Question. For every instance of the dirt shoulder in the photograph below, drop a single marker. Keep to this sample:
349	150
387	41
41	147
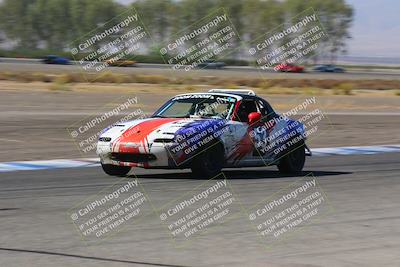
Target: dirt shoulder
34	118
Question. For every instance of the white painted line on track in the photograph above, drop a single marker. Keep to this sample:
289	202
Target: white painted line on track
94	162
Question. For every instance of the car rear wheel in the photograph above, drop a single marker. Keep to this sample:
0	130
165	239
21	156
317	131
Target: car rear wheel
209	162
115	170
293	162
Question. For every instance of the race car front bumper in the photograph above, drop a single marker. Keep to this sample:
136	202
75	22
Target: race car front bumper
155	156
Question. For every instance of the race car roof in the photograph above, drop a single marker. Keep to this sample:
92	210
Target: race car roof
233	91
237	94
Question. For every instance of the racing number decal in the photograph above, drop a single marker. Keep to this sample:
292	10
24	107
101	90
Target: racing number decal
260	135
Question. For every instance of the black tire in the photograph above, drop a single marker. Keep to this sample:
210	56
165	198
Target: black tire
209	162
293	162
115	170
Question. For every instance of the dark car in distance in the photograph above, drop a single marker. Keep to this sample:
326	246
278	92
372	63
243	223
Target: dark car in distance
53	59
328	68
209	64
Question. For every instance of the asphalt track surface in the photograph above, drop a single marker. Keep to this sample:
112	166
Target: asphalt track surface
362	229
35	229
230	71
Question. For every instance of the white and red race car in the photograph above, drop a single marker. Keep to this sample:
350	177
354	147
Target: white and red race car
206	132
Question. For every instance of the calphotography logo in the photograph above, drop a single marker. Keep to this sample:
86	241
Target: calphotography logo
290	43
110	211
277	136
288	210
197	137
114	43
86	132
210	204
200	44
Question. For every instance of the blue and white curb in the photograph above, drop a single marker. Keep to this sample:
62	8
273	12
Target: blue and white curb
48	164
94	162
354	150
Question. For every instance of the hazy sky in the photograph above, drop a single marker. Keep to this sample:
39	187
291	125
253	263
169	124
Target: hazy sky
376	29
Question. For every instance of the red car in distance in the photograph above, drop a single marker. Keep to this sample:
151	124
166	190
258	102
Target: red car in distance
287	67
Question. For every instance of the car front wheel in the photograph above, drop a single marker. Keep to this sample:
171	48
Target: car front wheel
209	162
115	170
293	162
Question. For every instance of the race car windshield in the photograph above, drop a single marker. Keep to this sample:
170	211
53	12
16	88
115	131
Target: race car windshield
208	106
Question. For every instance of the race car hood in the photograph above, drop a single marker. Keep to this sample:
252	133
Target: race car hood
129	136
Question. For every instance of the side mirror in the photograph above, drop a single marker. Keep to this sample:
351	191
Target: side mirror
254	117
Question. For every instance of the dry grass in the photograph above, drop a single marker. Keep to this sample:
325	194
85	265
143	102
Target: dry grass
59	84
190	88
343	89
282	91
26	76
272	86
314	91
264	85
278	90
152	79
108	77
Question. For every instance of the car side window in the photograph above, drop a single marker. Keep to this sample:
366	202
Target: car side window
267	107
246	107
262	108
